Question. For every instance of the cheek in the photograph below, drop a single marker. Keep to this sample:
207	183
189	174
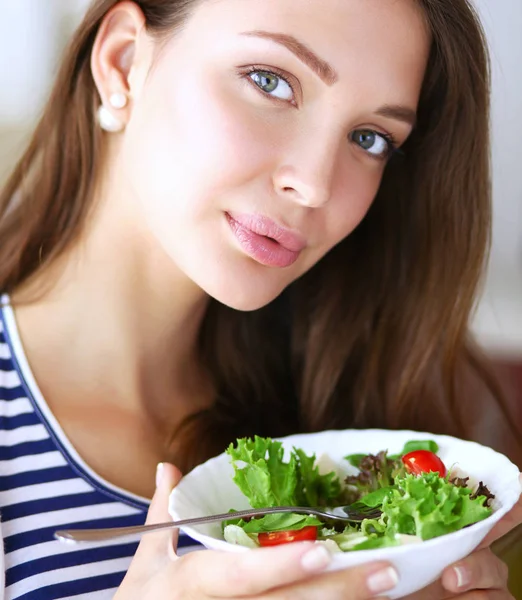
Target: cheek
189	145
353	197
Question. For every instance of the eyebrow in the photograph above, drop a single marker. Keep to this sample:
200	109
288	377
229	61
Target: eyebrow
398	113
319	66
328	74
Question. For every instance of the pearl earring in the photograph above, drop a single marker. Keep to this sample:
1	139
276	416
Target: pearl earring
118	100
108	122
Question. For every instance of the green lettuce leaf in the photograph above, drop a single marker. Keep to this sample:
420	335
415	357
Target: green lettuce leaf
264	478
279	522
267	480
429	506
414	445
374	499
314	489
376	541
355	459
348	540
236	535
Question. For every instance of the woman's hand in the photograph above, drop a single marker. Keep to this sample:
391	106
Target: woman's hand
290	571
480	576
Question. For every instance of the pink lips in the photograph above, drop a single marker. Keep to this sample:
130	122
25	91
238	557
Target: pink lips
265	241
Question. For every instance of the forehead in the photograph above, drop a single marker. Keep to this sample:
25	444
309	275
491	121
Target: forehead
381	41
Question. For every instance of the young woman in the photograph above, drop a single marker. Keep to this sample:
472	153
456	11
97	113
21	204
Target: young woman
235	217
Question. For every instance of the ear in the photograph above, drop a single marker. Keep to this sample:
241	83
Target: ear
120	59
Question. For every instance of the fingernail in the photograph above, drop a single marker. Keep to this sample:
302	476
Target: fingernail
383	581
159	472
463	577
316	559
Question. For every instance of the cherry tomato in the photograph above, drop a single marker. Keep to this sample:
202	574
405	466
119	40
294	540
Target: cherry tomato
274	538
423	461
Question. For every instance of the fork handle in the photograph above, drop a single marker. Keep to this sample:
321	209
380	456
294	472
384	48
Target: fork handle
73	536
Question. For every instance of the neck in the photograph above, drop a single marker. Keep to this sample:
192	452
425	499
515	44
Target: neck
120	312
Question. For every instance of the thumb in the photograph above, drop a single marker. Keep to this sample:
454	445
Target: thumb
167	477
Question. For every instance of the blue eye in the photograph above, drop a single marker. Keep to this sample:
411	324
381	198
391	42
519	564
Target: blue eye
272	84
379	145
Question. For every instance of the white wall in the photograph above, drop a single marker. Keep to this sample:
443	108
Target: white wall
31	36
22	48
503	22
499	318
32	33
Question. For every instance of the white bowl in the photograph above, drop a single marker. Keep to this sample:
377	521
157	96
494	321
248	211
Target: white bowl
209	489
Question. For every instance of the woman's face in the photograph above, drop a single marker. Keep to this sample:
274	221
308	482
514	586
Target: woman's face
260	136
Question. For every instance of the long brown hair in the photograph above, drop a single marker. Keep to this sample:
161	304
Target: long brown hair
376	334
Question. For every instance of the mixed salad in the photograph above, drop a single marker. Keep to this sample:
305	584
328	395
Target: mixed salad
418	498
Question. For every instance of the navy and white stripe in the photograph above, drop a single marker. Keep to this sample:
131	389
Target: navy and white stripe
45	486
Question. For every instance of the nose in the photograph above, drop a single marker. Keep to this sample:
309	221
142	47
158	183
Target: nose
306	173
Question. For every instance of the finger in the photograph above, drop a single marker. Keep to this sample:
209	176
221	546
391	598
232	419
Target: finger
481	570
256	572
506	524
167	477
357	583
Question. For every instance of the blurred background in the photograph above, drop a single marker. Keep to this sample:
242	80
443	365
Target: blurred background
33	34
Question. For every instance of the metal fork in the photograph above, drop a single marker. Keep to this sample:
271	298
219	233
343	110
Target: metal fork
337	513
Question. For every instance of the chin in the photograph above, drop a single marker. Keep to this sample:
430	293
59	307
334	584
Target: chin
247	302
247	297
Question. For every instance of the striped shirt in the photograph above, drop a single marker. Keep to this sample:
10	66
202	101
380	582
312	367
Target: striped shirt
45	486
